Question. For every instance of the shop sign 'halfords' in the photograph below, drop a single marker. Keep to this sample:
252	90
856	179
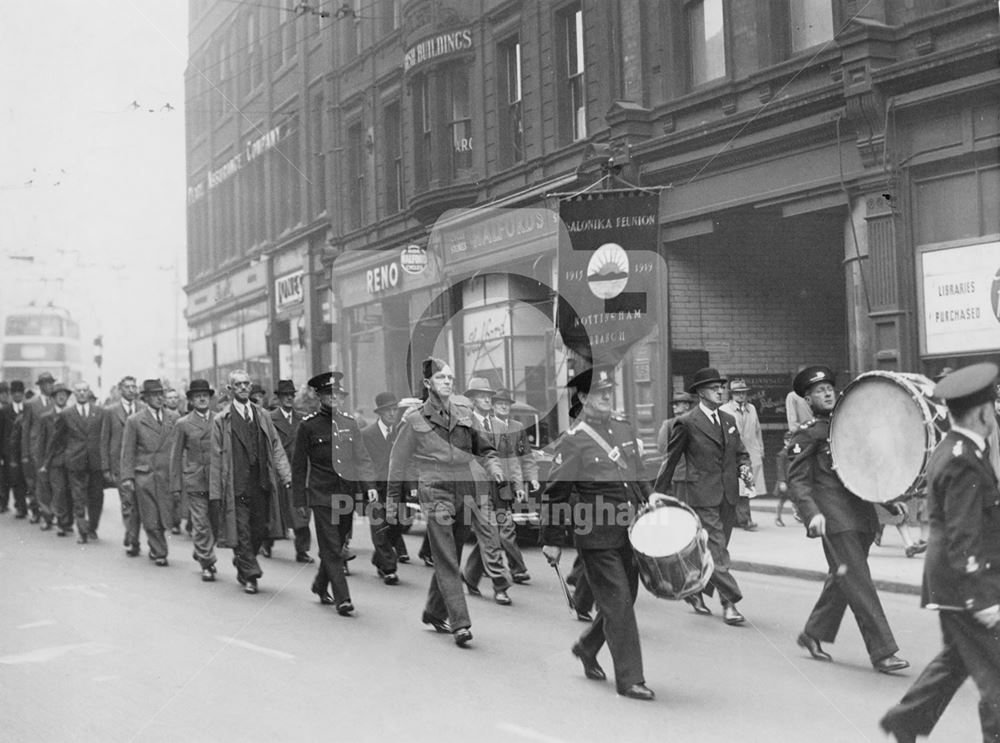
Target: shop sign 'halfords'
437	46
961	299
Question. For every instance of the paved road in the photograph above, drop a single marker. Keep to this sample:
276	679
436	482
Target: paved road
95	646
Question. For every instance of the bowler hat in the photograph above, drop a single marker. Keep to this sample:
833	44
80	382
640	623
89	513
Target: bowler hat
812	375
45	377
17	386
503	395
739	385
600	377
285	387
705	376
479	384
384	401
328	382
199	385
151	386
969	386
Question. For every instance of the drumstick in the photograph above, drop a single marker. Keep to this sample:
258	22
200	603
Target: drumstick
566	591
841	569
944	607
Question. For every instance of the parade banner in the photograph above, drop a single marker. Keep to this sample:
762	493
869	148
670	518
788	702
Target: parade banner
607	272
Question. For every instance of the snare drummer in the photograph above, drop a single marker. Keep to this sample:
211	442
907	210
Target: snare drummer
598	459
847	525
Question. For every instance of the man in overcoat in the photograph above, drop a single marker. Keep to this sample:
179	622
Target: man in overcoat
52	479
145	467
112	428
248	468
286	421
13	415
38	492
716	460
378	439
190	462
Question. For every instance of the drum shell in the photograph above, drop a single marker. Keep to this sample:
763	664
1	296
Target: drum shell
683	573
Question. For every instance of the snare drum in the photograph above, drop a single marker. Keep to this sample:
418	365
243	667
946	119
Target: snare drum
882	433
671	548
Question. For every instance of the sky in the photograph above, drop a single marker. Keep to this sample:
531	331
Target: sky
92	189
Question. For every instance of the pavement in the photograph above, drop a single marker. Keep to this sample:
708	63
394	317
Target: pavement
787	551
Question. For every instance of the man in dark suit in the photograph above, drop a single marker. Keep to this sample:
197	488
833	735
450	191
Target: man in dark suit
39	493
962	567
598	460
378	438
847	525
6	421
10	442
681	403
78	431
145	466
111	457
52	477
286	421
716	460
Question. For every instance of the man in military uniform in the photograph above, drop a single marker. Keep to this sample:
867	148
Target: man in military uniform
441	441
847	525
962	567
598	460
717	460
330	462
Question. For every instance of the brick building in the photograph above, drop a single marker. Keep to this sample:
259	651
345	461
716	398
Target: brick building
827	174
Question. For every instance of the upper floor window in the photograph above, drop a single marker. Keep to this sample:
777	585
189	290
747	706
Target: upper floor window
356	175
389	16
573	98
511	130
422	130
810	23
318	150
254	73
457	96
392	152
287	18
705	20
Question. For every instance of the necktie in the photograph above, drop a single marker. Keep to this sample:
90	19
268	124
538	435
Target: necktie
158	418
486	425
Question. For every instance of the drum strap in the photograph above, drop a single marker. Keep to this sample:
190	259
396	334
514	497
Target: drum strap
613	453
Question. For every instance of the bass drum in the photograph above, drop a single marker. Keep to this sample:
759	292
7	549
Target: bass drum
882	433
671	548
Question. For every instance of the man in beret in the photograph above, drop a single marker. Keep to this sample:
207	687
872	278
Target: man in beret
847	526
962	567
717	461
30	433
10	443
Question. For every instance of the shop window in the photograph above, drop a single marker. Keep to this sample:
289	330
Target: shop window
810	22
355	175
392	152
705	22
317	148
511	130
572	89
422	131
958	206
460	123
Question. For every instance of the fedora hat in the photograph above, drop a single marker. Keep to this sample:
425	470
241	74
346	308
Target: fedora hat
45	377
199	385
151	386
705	376
61	387
384	401
285	387
739	385
479	384
503	395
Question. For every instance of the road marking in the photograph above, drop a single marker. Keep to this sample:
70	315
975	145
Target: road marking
86	590
256	648
44	655
39	623
528	733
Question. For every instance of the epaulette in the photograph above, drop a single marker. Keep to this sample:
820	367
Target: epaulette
620	417
807	424
574	427
311	415
346	415
957	450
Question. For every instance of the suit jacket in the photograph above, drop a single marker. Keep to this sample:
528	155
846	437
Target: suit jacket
713	458
506	444
662	441
11	441
378	447
81	437
6	428
962	565
30	430
191	454
49	450
145	453
111	437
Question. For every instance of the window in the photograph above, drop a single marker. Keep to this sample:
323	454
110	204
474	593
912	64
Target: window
707	40
286	178
356	175
393	158
287	17
810	23
573	118
255	56
422	131
351	24
460	124
317	148
509	102
389	16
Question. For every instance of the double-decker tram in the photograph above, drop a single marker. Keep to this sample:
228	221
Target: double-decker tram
40	339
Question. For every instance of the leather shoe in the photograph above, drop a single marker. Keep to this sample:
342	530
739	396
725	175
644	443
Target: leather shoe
584	616
46	525
34	518
463	636
175	530
345	607
403	558
591	668
698	604
916	549
439	625
811	644
250	586
62	532
207	575
901	734
502	598
82	539
390	579
473	590
303	557
160	562
731	615
890	664
428	560
92	536
324	595
133	551
21	515
638	691
520	577
751	526
265	550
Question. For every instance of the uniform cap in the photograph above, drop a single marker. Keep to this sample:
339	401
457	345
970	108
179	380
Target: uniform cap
199	385
285	387
969	386
811	375
591	380
328	382
705	376
385	400
408	402
479	384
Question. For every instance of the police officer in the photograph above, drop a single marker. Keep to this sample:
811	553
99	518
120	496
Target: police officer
598	459
847	525
962	567
329	462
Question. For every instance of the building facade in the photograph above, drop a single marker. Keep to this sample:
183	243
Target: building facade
368	183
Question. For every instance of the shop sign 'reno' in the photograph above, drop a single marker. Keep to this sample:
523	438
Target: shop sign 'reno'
382	278
288	290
